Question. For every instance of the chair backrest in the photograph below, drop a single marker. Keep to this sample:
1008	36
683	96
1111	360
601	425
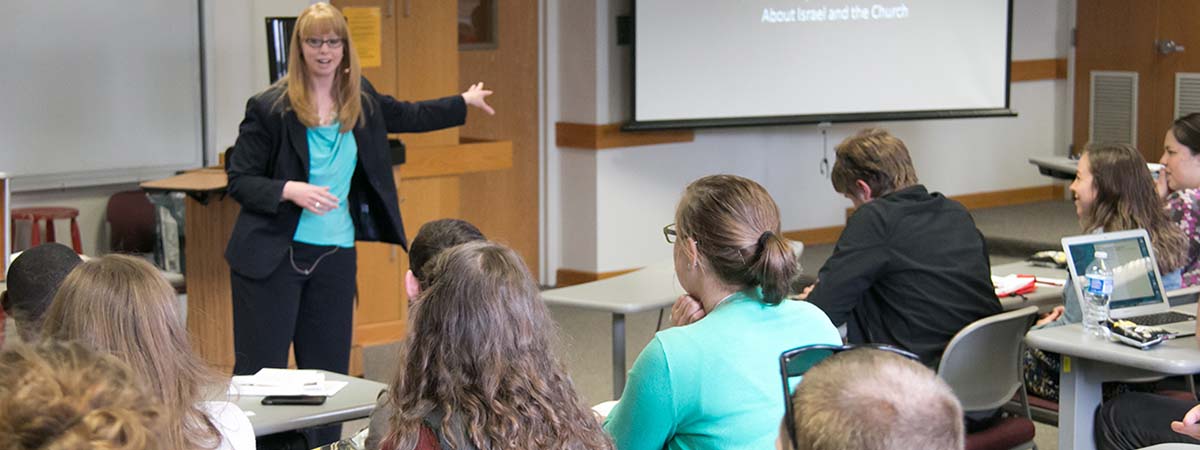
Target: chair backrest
131	223
982	363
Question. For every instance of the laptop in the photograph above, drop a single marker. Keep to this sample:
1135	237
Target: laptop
1137	295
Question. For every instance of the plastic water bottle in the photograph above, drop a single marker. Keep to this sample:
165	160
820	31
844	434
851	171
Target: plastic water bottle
1096	291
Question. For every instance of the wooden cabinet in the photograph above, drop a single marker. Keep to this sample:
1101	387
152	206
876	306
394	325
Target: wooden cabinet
419	61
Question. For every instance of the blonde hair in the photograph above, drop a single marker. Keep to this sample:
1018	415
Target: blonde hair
877	158
479	353
735	224
319	19
65	396
123	306
874	400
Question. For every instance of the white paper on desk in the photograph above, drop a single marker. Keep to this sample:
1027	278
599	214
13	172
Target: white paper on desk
284	382
325	388
281	377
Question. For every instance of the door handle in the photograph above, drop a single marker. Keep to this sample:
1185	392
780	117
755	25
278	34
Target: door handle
1167	46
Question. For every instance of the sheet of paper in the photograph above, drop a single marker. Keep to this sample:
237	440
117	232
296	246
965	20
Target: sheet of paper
325	388
366	31
281	378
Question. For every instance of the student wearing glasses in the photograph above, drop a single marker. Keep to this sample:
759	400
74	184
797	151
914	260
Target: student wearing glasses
312	173
714	384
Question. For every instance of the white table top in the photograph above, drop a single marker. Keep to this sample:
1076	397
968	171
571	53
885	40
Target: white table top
652	287
1045	297
1058	166
646	289
354	401
1175	357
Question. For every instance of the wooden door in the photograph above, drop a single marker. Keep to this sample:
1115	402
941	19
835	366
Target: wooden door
1114	35
1122	35
1177	21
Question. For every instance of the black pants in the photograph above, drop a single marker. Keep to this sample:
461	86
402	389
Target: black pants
314	311
308	302
1135	420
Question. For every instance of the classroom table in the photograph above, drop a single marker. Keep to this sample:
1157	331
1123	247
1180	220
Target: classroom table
647	289
1060	167
1089	361
355	401
1045	297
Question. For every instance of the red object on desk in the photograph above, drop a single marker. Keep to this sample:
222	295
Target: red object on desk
48	214
1028	285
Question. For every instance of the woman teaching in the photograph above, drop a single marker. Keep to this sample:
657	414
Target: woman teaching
312	172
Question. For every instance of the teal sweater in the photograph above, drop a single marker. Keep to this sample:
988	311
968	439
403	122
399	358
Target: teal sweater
715	384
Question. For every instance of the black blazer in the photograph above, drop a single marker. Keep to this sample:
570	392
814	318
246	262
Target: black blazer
272	148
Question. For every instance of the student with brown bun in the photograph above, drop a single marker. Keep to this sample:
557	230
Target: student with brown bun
714	383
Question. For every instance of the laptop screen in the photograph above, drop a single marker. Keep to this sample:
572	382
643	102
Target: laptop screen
1134	279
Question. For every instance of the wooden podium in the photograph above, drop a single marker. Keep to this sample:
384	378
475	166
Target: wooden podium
428	191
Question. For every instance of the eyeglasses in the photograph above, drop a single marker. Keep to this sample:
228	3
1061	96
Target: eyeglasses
333	43
670	233
797	361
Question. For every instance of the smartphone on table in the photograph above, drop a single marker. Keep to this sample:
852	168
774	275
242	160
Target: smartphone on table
294	400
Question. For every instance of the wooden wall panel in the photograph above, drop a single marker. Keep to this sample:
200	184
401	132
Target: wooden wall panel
427	59
1038	69
210	311
504	204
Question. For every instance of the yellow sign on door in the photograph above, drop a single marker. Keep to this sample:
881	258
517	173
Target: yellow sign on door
366	27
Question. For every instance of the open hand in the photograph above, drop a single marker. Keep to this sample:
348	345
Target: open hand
1051	316
475	96
316	199
686	310
1188	425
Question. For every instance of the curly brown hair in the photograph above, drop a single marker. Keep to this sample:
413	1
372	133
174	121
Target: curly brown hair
65	396
479	355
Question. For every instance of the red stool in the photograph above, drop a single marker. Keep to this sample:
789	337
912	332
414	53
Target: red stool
48	214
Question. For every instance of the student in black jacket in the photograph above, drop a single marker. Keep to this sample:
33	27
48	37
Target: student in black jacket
312	173
910	269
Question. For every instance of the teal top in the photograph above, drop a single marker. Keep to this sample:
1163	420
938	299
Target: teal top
332	156
715	384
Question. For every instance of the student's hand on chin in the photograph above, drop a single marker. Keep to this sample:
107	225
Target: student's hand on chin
686	310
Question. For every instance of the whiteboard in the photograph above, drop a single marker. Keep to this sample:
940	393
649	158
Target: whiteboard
99	92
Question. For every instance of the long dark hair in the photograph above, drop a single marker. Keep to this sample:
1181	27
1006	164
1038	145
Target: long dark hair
735	223
1126	200
479	355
